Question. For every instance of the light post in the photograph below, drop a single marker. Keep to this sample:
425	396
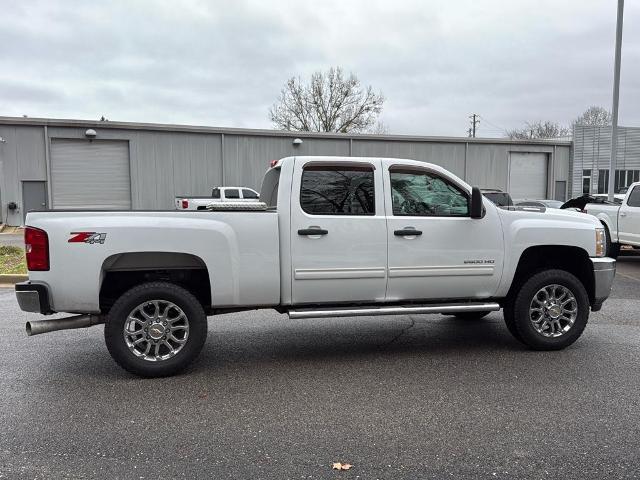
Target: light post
616	96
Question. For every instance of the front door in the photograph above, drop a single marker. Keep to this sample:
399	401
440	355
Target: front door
338	232
34	197
629	218
436	250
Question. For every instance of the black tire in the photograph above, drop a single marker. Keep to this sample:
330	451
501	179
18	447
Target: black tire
164	291
612	250
469	315
519	315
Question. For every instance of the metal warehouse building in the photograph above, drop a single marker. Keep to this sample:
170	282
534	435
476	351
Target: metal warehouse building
60	164
592	149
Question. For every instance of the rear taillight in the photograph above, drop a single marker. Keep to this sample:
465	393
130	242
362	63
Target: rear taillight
185	204
36	243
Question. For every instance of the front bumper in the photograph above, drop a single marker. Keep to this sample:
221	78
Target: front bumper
33	297
604	271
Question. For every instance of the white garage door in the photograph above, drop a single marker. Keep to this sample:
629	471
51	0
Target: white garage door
90	175
528	175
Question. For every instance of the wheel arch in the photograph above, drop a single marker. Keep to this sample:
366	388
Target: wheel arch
122	271
574	260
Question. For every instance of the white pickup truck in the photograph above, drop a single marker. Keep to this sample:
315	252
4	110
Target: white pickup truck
336	237
218	195
621	222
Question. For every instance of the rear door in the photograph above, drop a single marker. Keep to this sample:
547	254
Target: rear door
338	232
629	218
435	249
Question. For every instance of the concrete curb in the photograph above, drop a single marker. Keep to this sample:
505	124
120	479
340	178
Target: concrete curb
12	279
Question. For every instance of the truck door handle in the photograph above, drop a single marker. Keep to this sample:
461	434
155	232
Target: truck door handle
312	231
622	214
405	232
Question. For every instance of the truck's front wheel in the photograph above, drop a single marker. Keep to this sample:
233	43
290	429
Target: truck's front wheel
155	329
549	311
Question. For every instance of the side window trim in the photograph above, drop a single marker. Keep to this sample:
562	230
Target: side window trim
408	169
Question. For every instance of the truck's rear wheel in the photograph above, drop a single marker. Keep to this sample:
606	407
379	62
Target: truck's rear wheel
155	329
549	311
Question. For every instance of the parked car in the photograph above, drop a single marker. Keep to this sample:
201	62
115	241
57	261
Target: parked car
218	194
497	196
621	222
539	203
335	237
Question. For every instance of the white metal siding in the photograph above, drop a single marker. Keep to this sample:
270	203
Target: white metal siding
528	175
91	175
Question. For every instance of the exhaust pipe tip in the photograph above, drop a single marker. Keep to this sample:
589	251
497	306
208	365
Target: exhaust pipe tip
45	326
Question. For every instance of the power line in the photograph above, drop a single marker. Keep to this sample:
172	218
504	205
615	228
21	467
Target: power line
493	124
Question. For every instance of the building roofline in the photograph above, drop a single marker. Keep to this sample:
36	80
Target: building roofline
57	122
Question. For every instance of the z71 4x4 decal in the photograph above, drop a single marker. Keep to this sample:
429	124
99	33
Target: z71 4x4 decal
87	237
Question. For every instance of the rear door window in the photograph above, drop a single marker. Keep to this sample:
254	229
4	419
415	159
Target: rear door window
231	193
338	190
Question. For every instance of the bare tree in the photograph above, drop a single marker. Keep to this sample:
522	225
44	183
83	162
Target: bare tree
539	129
593	116
330	102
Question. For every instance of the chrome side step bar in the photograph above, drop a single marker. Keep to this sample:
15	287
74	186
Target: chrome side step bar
394	310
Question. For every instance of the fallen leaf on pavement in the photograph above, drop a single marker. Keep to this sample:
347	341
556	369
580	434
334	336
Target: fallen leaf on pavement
341	466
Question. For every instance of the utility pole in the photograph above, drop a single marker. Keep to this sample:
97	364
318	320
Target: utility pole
616	96
475	121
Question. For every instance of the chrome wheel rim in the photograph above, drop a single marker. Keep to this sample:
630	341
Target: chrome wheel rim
553	311
156	330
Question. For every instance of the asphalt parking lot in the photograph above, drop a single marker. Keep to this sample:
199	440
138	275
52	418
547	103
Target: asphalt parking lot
397	397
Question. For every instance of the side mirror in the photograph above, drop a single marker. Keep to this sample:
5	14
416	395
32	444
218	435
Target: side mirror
476	203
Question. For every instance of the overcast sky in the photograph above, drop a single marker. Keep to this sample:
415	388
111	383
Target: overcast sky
223	63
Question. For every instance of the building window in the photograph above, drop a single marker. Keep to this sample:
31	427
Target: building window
603	181
586	181
624	178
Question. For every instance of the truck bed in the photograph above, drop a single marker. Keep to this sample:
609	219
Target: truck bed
239	249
